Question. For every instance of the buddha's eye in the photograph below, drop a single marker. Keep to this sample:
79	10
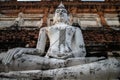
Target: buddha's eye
64	11
57	11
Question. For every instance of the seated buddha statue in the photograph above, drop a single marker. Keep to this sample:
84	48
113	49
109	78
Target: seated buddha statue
66	54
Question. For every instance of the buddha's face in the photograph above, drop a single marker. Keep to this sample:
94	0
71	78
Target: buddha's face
61	15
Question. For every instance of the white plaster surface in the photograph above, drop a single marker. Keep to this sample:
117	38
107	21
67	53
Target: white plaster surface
112	19
87	20
5	24
26	20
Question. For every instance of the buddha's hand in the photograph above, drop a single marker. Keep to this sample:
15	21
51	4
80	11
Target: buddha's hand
31	51
19	53
10	55
16	53
65	55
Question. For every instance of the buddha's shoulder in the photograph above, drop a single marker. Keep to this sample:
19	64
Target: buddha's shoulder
73	27
60	27
43	28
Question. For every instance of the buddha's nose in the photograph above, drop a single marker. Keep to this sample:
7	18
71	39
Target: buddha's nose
61	13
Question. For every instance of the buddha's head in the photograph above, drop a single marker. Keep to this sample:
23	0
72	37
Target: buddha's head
60	15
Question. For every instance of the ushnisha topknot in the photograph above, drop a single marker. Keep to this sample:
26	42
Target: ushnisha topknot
61	6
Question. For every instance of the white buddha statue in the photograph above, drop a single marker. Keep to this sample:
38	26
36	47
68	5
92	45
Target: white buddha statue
65	57
65	42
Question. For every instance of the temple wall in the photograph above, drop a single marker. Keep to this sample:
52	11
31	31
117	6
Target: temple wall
27	23
89	20
34	20
112	19
83	19
87	14
4	24
32	23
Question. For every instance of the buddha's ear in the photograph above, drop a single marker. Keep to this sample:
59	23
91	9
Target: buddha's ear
70	18
54	21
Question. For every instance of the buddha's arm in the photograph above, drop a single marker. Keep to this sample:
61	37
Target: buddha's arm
17	52
79	44
41	41
40	48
